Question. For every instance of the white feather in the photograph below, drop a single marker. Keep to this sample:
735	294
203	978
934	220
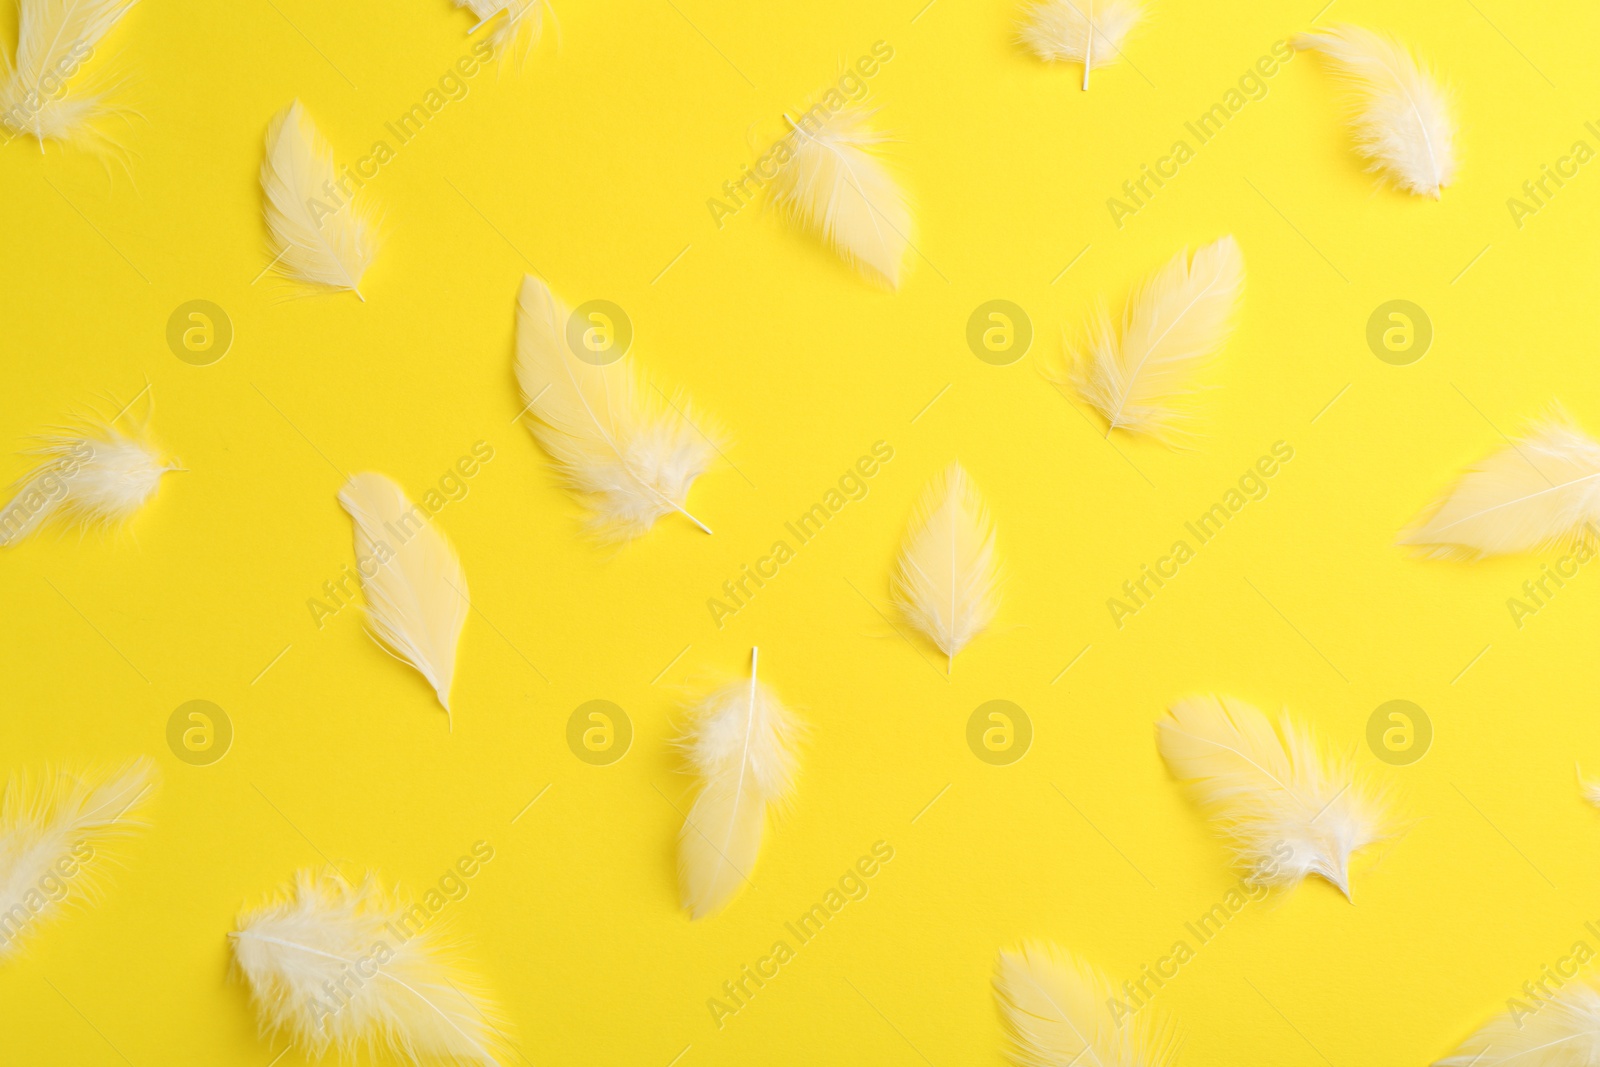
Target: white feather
1589	787
321	237
1560	1029
1174	323
417	593
521	28
1286	808
834	184
741	745
1059	31
355	970
630	451
92	476
1400	113
55	833
54	38
946	582
1541	490
1058	1013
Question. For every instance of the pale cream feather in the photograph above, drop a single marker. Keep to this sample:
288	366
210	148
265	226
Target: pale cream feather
1058	1013
356	969
57	832
416	592
518	24
320	237
1556	1029
1142	379
1541	490
741	746
92	475
627	449
947	579
1090	32
1399	112
1285	807
41	95
835	185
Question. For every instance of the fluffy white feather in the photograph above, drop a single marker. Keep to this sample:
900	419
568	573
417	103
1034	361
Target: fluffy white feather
834	184
1285	807
417	594
1079	31
92	475
1564	1031
54	39
622	446
1399	112
1539	491
741	745
946	582
1142	379
55	835
353	969
1057	1012
1589	787
321	237
520	27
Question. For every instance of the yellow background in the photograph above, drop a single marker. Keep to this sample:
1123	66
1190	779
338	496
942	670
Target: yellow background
593	164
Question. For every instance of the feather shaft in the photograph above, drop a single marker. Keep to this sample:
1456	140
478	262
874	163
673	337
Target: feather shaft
320	244
946	581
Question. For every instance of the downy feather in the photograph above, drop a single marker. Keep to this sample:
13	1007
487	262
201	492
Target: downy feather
1058	31
320	238
741	745
1562	1030
1399	112
1060	1012
518	31
92	475
834	185
59	823
946	582
54	38
1540	491
1589	787
416	597
626	449
1174	322
1285	808
313	958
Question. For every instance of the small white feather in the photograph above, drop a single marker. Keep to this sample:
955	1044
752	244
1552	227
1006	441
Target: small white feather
91	476
1399	112
741	745
1541	490
321	237
1561	1030
833	184
1058	1012
1090	32
56	833
628	450
1589	787
417	593
1285	807
1142	379
353	969
520	27
54	39
946	582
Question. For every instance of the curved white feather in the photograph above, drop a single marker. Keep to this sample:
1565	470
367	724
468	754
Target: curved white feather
631	458
322	237
1090	32
1400	113
54	39
518	23
1561	1030
1285	808
1058	1013
946	581
416	592
1541	490
741	745
92	475
353	969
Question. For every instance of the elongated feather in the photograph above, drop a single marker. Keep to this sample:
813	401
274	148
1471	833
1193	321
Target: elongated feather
946	581
93	475
741	745
629	451
1399	112
834	184
321	236
54	39
56	836
354	969
1090	32
416	592
1558	1030
1175	322
520	27
1540	491
1285	807
1058	1013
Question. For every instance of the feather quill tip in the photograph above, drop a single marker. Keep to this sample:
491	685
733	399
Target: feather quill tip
947	578
1078	31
